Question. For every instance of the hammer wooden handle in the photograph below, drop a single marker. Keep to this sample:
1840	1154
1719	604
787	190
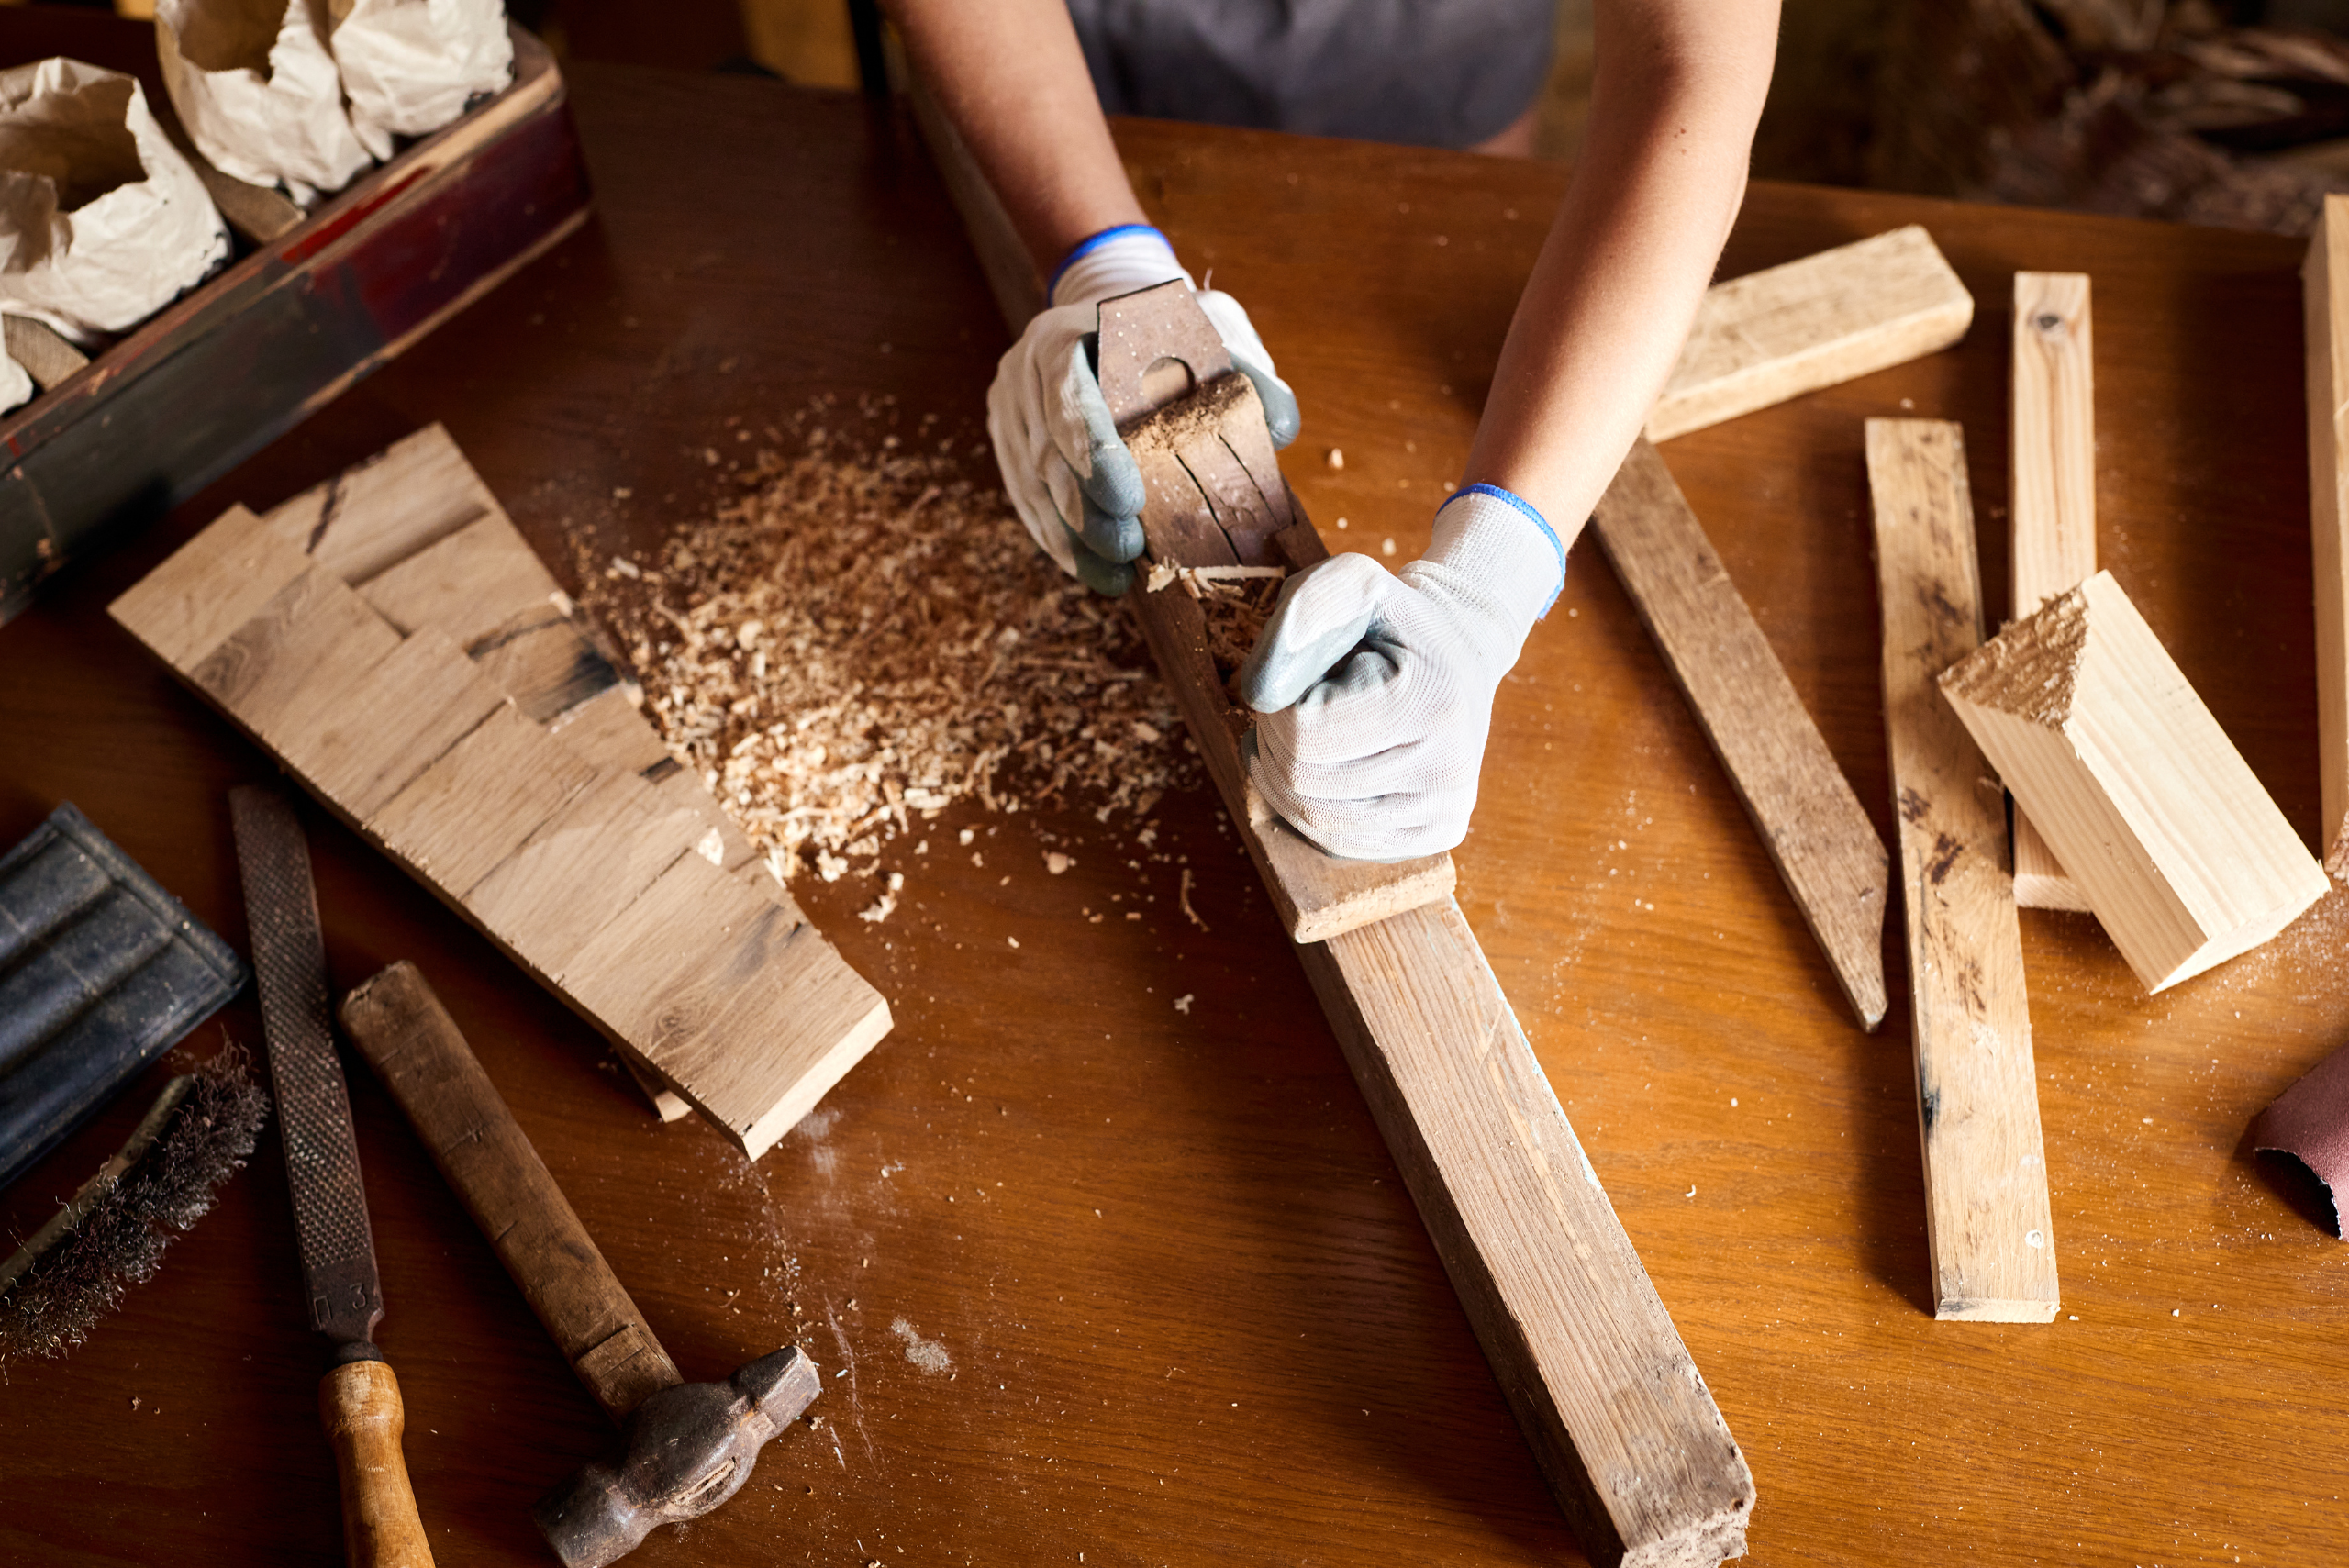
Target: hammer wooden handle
358	1405
408	1038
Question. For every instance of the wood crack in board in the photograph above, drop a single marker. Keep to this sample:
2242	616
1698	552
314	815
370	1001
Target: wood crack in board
392	639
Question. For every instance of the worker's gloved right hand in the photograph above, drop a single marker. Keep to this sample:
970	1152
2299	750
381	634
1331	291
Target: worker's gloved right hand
1376	688
1072	481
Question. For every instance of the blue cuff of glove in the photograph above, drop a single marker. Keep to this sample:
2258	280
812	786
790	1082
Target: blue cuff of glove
1114	261
1520	505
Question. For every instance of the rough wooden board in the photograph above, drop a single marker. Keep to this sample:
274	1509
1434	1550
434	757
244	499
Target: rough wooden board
2184	857
544	658
208	587
1778	333
2324	295
1988	1222
290	665
2051	496
48	357
1618	1417
664	989
417	491
1818	835
612	729
469	583
536	900
480	802
390	724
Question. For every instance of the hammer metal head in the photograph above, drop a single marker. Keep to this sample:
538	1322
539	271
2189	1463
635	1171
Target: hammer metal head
687	1449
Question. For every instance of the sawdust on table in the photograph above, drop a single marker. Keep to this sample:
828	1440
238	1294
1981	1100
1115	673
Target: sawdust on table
862	636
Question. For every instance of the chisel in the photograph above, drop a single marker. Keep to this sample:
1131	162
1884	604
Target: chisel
359	1400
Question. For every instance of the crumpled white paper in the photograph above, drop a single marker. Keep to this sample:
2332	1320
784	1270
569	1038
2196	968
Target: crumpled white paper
258	92
410	65
102	222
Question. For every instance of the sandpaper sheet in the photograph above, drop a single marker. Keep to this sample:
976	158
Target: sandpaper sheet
2310	1122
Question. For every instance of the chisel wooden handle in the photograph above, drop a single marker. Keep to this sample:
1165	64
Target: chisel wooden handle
358	1405
407	1037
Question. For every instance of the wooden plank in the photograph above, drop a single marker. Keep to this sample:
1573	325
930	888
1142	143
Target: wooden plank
2324	296
2183	855
415	491
545	658
610	728
1809	820
537	902
1618	1416
1988	1223
208	587
389	725
470	584
663	991
2051	498
1785	330
1561	1305
480	802
291	664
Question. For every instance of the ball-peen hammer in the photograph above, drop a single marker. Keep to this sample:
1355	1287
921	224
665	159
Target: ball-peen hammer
689	1446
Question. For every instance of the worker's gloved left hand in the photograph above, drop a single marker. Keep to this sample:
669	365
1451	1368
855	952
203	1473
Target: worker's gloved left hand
1376	688
1072	481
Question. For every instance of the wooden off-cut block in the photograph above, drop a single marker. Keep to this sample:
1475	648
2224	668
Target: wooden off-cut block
1789	330
1988	1222
2183	855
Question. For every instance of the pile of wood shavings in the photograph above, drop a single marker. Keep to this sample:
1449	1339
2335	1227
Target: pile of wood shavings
863	639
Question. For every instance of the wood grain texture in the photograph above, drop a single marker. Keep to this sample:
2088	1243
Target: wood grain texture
2325	293
2183	855
1618	1417
407	1037
358	1405
1255	1237
1802	806
1769	336
513	777
1988	1224
2051	498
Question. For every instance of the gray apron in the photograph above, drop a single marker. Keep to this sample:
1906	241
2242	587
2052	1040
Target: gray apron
1431	72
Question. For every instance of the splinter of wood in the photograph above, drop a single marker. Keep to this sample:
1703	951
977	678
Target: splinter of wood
1818	835
2324	298
2183	856
2051	496
1988	1223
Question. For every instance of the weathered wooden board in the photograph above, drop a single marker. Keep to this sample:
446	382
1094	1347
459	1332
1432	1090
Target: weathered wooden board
1817	834
2183	855
2051	498
1987	1221
510	774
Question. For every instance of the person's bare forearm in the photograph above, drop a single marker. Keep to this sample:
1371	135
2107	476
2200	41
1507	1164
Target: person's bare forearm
1010	75
1680	88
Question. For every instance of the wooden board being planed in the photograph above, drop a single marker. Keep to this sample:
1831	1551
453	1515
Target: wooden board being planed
1988	1223
2324	299
2051	498
2184	857
392	639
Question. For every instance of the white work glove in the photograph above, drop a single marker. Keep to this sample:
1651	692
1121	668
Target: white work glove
1070	479
1376	688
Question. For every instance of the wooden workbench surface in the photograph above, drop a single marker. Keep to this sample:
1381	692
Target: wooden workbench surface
1096	1280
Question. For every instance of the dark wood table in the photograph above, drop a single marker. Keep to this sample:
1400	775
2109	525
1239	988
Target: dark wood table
1191	1315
